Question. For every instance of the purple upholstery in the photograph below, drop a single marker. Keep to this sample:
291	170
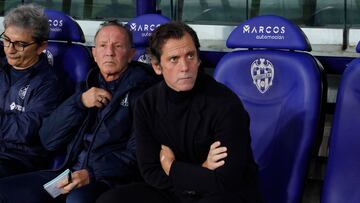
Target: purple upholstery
342	179
282	91
70	59
269	31
141	28
358	47
63	27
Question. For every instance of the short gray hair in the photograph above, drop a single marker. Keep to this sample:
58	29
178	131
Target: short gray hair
30	17
116	23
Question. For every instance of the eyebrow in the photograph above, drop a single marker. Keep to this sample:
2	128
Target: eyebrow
172	56
187	53
5	36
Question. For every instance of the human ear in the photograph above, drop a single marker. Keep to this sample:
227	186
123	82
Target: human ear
156	66
93	51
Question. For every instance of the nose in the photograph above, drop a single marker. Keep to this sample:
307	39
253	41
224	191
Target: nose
109	50
184	65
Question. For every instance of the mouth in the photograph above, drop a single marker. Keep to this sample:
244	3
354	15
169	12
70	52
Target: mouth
185	78
12	57
109	63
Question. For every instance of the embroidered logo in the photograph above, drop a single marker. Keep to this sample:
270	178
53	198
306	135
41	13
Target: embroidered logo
145	58
125	101
262	73
14	106
22	91
50	57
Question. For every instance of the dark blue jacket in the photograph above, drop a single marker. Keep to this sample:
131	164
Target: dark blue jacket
23	105
111	155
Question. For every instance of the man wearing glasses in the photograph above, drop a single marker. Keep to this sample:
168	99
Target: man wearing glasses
94	124
29	90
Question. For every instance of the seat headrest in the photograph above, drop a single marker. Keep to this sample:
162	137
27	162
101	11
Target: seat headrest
268	31
63	27
358	47
142	27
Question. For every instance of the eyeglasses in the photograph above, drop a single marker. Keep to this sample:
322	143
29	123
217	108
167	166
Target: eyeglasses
18	45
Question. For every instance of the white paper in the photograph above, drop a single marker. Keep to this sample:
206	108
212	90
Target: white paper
51	186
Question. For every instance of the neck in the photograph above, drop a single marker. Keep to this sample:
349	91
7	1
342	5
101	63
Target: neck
112	77
34	61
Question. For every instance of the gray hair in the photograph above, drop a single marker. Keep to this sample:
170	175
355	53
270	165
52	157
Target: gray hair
116	23
30	17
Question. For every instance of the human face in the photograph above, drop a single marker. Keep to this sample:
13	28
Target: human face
29	56
179	63
112	52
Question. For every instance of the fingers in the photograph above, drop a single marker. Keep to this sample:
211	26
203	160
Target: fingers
67	186
101	101
79	179
218	164
63	183
102	97
164	147
95	97
215	145
216	150
216	156
70	187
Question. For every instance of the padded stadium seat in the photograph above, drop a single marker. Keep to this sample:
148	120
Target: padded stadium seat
141	28
70	59
282	89
342	178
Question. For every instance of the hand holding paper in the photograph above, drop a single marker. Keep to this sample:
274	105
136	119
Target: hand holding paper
52	187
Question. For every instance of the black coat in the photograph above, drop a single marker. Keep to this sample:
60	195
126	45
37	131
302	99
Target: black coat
212	113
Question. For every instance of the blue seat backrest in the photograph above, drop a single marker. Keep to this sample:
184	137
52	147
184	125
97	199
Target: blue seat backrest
342	178
282	90
142	28
69	57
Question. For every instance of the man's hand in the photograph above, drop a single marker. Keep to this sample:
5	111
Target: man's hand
215	156
79	178
166	158
95	97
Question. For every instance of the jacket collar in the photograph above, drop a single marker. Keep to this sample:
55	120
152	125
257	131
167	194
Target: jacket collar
197	92
39	66
135	76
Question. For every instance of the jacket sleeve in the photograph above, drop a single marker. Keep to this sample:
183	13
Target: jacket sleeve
121	163
63	123
148	150
232	130
23	127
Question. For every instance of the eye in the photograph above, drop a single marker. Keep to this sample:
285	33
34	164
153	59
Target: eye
6	41
173	59
190	56
20	44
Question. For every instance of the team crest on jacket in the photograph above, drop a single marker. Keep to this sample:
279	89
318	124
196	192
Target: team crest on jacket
22	91
50	57
262	73
125	101
145	58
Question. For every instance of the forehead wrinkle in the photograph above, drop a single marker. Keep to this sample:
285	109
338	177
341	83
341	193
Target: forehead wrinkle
176	47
